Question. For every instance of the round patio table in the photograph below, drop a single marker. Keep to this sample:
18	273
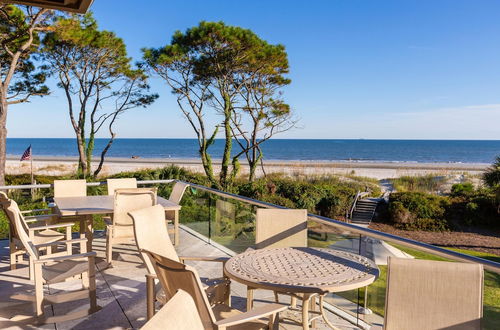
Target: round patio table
303	273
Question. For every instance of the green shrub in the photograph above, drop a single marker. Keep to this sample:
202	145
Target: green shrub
400	214
418	211
491	176
279	200
462	189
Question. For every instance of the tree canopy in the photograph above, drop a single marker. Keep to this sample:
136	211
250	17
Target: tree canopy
99	81
20	29
220	68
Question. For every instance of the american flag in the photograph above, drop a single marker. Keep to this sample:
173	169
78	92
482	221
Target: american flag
27	154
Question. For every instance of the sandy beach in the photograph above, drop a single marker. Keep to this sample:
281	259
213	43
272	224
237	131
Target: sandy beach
56	165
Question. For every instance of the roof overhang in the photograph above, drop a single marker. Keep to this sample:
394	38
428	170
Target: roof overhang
74	6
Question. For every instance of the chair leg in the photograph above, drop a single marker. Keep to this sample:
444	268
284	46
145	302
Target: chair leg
150	297
274	321
109	246
38	290
69	246
31	268
92	285
13	256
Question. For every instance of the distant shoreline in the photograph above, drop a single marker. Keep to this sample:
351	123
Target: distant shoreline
271	162
62	165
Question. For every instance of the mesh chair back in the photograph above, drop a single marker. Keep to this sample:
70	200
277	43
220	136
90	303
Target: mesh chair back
178	313
150	229
428	294
177	192
277	228
70	188
176	276
114	184
127	200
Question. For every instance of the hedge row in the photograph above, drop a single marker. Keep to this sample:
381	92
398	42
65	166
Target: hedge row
463	207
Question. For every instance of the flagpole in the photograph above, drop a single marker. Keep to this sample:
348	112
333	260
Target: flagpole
32	181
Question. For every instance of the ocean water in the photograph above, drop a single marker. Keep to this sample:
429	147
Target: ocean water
454	151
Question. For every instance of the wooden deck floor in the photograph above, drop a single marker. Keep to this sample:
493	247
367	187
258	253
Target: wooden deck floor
120	290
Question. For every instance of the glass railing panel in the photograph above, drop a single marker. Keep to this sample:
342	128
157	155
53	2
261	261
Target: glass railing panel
232	223
196	211
491	300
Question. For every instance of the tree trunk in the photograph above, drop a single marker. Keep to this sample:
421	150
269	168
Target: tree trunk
3	136
206	160
226	157
103	155
88	153
82	161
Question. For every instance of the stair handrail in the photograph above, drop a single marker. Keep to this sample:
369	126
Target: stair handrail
349	214
359	195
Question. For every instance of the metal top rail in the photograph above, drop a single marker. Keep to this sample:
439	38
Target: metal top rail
445	253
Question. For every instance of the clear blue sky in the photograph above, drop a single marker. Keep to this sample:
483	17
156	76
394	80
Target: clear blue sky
360	69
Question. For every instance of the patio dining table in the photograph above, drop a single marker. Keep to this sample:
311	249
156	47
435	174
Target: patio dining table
303	273
87	206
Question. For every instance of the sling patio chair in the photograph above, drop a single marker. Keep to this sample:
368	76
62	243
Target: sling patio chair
50	269
176	276
114	184
122	227
35	227
124	183
72	188
173	216
179	313
151	234
429	294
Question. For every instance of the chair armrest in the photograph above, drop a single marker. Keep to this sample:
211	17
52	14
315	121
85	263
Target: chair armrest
211	259
72	241
38	217
35	210
251	315
153	276
54	226
36	223
70	257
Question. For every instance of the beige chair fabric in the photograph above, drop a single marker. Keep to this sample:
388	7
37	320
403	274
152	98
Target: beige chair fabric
36	227
122	228
428	294
151	234
176	276
276	228
70	188
50	269
177	192
179	313
173	216
114	184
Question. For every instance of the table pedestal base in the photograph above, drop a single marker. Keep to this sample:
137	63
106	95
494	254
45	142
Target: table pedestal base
308	308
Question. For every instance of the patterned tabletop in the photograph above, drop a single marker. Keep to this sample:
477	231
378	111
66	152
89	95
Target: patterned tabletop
302	270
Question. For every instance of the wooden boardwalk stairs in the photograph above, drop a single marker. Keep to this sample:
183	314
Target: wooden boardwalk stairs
363	211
